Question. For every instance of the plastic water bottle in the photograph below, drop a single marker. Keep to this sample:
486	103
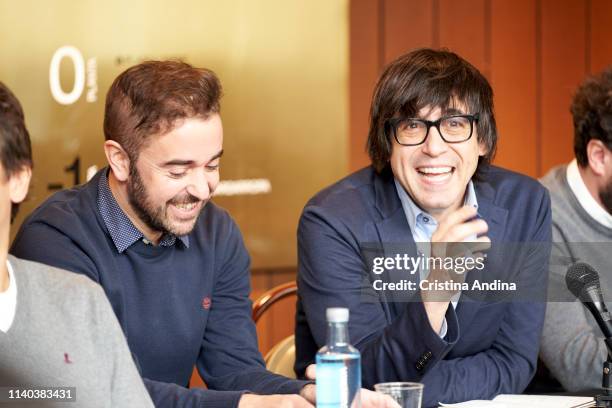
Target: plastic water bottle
338	365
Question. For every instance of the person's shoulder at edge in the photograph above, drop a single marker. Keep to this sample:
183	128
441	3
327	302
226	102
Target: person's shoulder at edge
66	204
362	178
511	186
554	178
353	194
74	288
554	173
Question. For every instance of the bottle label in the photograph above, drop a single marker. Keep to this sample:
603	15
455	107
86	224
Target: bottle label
332	385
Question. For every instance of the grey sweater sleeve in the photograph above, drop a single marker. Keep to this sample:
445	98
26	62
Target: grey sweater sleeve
127	387
572	350
572	346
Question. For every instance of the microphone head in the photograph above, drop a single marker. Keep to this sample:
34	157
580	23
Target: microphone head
580	276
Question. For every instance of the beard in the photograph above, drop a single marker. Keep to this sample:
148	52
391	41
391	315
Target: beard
156	217
605	195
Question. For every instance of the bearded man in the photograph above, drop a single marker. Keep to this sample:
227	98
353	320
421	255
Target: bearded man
573	346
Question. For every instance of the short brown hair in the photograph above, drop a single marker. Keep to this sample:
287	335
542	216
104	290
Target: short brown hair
15	145
592	113
150	97
427	77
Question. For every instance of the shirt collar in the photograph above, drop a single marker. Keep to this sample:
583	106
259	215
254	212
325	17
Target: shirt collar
584	197
414	212
121	229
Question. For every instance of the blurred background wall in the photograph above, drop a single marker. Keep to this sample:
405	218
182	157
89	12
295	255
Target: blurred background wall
298	77
283	66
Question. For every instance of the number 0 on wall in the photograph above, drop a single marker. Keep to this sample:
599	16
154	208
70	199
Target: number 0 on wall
79	75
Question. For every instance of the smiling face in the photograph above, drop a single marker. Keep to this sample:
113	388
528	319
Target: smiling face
435	174
176	174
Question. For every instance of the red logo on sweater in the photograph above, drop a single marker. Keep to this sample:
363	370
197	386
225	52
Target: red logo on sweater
206	302
67	359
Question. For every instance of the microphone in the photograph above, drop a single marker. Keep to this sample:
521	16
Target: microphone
583	281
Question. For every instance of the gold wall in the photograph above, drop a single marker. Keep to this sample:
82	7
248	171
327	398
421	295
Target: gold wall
283	65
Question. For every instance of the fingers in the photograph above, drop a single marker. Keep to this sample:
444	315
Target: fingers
466	249
461	232
311	372
459	226
389	402
460	216
273	401
309	393
299	402
371	399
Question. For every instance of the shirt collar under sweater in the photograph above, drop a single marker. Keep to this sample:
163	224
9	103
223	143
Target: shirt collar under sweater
121	229
584	197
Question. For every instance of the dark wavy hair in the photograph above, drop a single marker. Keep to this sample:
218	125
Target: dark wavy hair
435	78
592	113
15	145
150	97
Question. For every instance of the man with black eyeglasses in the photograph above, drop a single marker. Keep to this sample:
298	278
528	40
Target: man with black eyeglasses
440	257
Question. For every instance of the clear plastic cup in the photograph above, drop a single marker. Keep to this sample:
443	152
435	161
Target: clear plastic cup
407	394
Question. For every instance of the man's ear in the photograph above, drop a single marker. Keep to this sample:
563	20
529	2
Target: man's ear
596	156
483	150
19	183
118	160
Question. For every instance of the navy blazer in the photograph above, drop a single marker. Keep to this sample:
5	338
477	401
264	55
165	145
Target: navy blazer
491	345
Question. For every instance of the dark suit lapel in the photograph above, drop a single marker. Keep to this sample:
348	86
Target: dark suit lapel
392	226
394	234
496	218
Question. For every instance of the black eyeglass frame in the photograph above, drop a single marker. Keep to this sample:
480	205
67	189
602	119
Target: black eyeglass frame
393	122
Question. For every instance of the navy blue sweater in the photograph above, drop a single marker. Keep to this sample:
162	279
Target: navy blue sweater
178	305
